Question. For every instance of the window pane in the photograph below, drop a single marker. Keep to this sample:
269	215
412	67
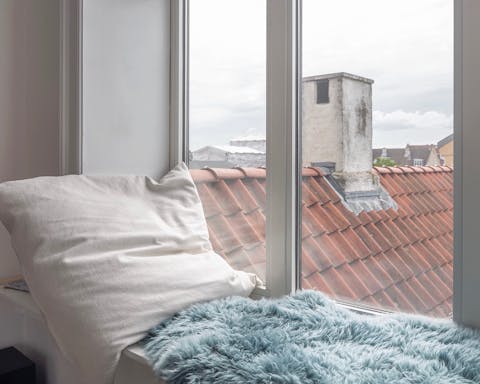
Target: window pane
377	153
227	126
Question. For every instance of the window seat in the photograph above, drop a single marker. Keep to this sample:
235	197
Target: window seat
23	326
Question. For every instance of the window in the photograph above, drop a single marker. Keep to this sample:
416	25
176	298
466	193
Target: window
227	125
285	89
322	91
418	162
363	241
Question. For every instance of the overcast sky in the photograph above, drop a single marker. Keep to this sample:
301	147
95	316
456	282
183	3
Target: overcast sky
405	46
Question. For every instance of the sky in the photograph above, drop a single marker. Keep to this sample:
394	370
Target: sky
405	46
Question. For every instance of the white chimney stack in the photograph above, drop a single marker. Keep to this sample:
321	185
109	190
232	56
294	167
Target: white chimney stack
337	129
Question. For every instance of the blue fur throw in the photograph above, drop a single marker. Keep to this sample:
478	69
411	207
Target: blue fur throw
306	338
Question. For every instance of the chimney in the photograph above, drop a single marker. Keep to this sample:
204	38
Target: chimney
337	128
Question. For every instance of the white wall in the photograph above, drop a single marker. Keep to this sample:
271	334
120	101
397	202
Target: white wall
126	73
126	78
29	97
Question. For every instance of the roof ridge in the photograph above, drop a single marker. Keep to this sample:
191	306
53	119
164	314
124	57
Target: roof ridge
413	169
208	174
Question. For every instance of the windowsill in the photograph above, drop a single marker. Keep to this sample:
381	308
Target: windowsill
262	292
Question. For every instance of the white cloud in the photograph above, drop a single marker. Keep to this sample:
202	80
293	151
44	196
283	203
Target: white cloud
405	46
397	128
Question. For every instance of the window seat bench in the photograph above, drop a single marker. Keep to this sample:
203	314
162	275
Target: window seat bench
23	326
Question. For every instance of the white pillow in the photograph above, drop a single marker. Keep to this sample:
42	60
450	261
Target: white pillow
107	258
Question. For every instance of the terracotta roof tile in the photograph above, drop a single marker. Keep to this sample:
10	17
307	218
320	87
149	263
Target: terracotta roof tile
409	295
225	234
383	300
337	213
210	205
352	280
344	246
243	230
317	254
379	237
202	176
254	173
308	196
257	190
256	219
312	171
399	258
227	173
325	220
366	276
316	281
358	245
369	241
225	198
310	220
339	286
421	293
317	188
378	271
398	297
244	197
331	251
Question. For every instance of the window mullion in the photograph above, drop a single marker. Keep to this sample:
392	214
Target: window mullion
178	81
467	175
282	124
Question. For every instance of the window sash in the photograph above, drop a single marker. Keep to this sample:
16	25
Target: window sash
283	122
466	281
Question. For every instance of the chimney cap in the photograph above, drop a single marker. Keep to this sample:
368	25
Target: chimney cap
336	75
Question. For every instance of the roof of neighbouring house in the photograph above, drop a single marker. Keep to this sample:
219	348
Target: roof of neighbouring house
445	141
420	151
396	154
395	259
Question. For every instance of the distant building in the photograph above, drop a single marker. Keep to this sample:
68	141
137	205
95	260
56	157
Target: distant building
414	155
445	149
255	142
395	154
227	156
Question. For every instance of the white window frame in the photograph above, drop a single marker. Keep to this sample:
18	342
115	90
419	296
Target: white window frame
466	275
71	86
418	162
283	114
283	74
283	109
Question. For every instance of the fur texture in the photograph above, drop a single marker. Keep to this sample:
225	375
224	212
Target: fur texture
306	338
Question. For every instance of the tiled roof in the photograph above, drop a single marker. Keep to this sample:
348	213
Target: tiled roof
394	259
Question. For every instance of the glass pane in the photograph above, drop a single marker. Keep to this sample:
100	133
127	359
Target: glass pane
227	130
377	153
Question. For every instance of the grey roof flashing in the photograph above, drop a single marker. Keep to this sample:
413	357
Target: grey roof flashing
377	199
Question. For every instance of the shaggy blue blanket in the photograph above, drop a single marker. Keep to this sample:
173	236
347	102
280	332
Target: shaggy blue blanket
306	338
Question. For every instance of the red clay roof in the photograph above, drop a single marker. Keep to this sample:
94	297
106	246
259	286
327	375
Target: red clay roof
399	259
